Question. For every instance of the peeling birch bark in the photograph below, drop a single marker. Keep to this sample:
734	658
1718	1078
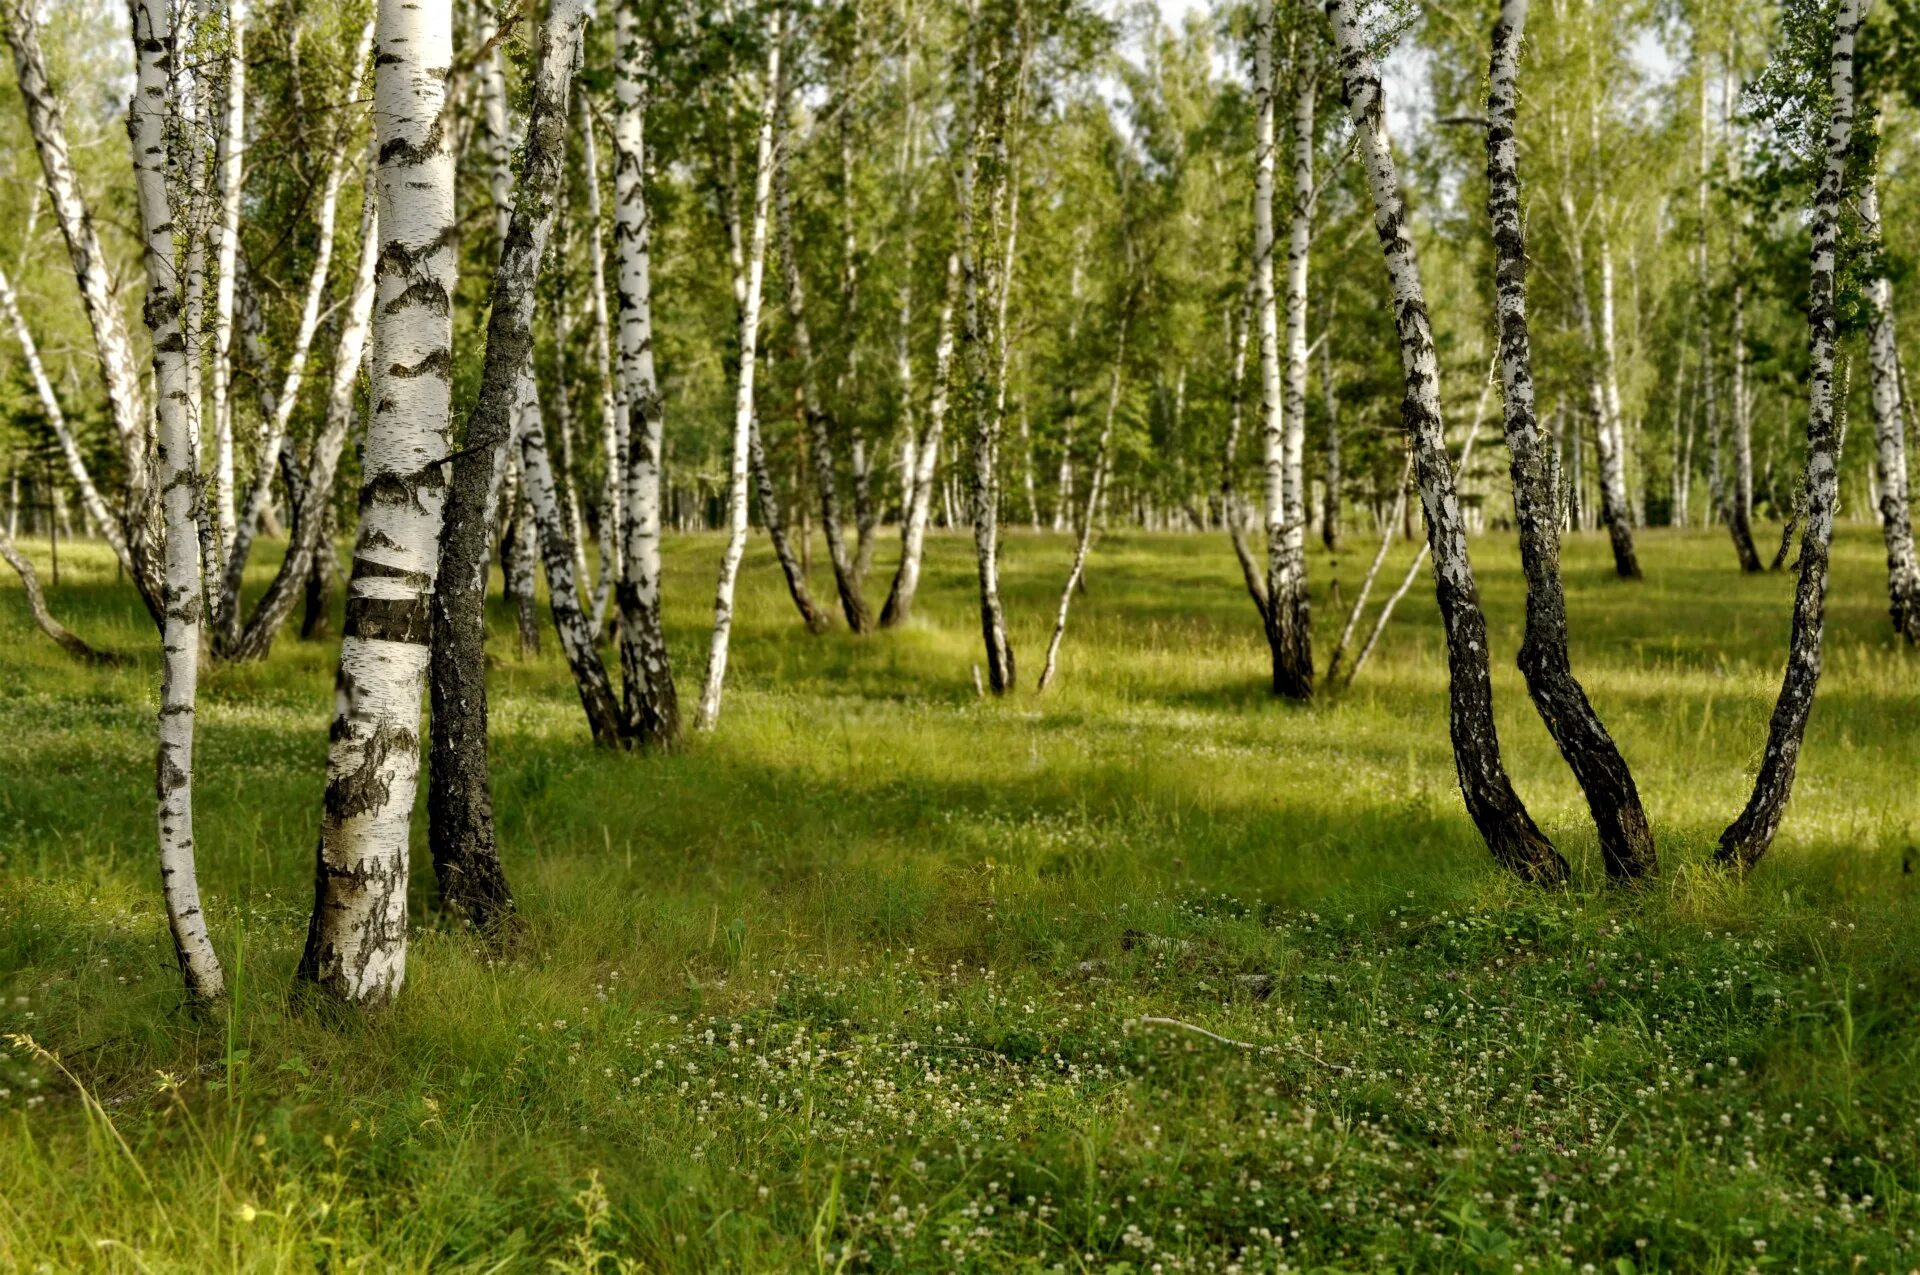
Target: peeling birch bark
1510	833
1746	840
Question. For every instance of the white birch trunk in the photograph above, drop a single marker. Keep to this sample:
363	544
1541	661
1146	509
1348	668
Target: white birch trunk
1890	443
179	487
357	939
614	407
708	715
1747	838
650	702
923	463
231	178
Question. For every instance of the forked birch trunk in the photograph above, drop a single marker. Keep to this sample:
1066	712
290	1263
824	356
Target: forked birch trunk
356	946
1626	839
1747	838
178	483
772	102
924	462
651	704
1510	833
466	857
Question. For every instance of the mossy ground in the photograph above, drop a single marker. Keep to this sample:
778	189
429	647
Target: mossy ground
856	982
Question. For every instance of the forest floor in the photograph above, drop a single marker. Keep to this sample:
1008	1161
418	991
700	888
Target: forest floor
862	980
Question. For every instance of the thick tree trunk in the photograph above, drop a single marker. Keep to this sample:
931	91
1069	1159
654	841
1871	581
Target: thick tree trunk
466	857
923	463
651	705
1747	838
1889	431
307	547
1497	812
773	102
1289	614
819	433
1626	839
1287	638
177	477
357	939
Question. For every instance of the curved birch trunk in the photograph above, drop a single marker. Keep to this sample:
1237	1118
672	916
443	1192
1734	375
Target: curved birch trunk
1516	843
356	946
1747	838
66	639
772	102
466	857
1626	840
312	505
652	707
99	296
1889	431
924	461
853	603
227	621
1284	600
1094	490
178	483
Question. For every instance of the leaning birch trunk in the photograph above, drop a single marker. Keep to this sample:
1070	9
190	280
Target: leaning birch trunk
112	346
1747	838
273	436
979	291
1510	833
923	460
1284	644
226	243
1288	614
177	476
614	408
356	946
651	705
307	540
1367	581
466	857
63	637
853	603
1889	431
103	517
1094	491
772	101
1626	839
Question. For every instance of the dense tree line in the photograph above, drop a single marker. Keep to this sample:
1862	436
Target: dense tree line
534	287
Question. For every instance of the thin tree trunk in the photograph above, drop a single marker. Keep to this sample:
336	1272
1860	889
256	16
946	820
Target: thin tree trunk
924	464
357	939
1889	430
1747	838
307	547
1497	812
1282	614
651	704
65	638
1085	540
466	857
1288	613
148	120
819	435
773	101
1366	583
1626	839
1739	501
614	408
1330	511
1233	509
231	177
1601	404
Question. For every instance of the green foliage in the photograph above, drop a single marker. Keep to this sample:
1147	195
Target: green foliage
857	982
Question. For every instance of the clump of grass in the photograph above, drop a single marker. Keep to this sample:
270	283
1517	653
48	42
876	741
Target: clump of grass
859	982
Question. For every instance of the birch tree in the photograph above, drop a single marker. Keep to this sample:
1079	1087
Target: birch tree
357	938
1510	833
1889	434
1747	838
177	479
1626	840
651	705
923	461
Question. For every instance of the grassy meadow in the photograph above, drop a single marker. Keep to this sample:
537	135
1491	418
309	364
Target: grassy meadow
857	982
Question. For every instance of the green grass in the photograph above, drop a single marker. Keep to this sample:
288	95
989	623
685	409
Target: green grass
854	982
